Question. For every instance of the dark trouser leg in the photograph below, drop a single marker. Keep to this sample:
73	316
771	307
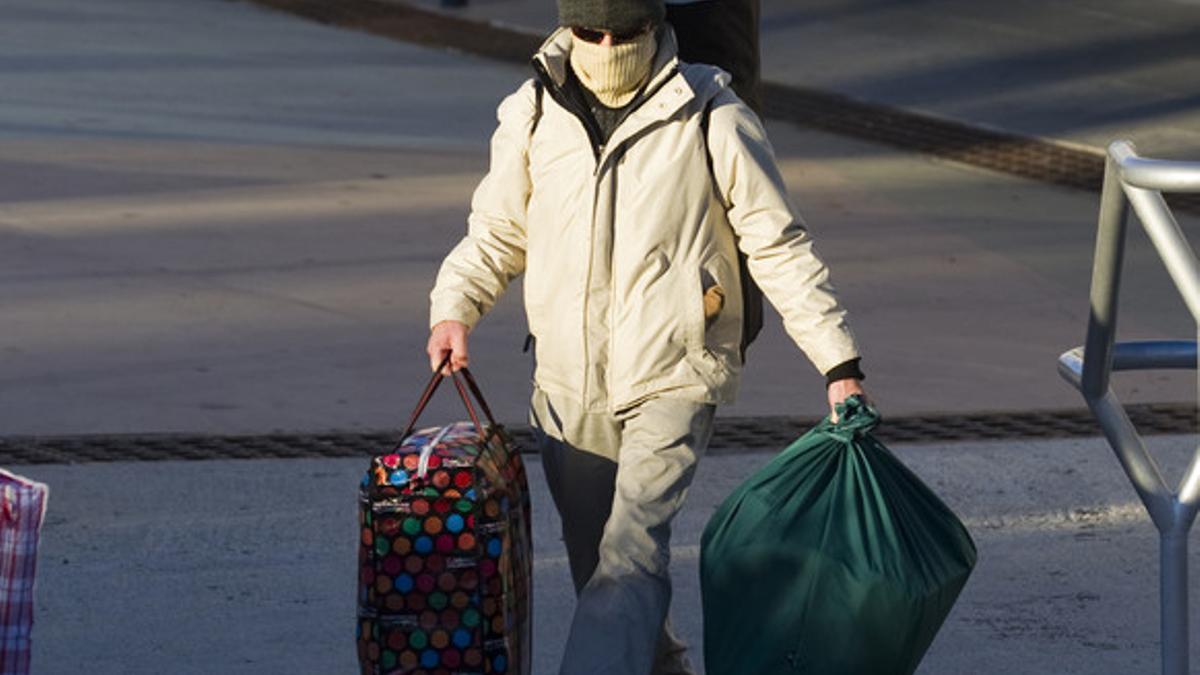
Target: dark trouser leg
582	487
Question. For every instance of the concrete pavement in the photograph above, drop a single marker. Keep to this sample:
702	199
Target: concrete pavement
199	568
217	218
1078	72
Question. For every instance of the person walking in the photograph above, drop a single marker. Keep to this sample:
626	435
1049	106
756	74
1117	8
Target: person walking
623	184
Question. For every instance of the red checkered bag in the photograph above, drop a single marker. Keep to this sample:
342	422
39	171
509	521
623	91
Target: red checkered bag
22	508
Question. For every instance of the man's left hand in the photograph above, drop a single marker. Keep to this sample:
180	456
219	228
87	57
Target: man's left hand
839	390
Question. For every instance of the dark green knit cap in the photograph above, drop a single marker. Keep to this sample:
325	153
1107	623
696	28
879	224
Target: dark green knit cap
617	16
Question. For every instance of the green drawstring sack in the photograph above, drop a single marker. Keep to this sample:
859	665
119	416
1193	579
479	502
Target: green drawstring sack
833	559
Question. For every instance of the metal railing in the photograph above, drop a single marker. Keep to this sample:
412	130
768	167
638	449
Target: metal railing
1130	180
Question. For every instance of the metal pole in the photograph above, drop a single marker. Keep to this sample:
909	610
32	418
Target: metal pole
1130	180
1170	242
1174	593
1106	280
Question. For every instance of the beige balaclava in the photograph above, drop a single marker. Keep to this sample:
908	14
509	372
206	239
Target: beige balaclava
615	73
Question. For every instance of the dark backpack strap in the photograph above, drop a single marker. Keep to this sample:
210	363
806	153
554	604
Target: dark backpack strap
704	120
752	295
538	93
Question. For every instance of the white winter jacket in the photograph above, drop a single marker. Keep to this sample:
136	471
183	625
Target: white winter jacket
619	243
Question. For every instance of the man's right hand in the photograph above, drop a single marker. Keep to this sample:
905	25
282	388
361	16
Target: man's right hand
448	338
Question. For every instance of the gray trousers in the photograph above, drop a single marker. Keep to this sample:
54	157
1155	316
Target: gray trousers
618	480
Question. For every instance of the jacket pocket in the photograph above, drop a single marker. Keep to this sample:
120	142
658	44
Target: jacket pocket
703	361
695	322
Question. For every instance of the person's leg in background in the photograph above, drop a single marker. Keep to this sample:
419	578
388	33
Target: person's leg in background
582	483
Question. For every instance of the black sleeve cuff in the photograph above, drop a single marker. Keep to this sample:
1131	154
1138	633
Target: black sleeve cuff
846	369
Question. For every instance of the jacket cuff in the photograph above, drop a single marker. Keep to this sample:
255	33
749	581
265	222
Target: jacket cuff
463	312
845	370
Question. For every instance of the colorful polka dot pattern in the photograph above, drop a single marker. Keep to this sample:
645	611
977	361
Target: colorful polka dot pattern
444	560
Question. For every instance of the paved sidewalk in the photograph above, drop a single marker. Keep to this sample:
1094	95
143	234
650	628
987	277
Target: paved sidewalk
1081	72
206	568
222	219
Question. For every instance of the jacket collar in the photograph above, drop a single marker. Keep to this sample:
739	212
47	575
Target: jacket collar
669	89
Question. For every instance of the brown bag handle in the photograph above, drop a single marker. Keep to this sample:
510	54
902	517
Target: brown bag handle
431	388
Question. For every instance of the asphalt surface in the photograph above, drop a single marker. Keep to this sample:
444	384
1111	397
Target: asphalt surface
222	219
1081	72
219	219
248	567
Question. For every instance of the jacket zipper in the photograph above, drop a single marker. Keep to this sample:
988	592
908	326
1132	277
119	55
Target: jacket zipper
572	106
612	228
646	96
593	135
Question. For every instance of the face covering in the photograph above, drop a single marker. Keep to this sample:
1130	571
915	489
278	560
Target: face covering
614	73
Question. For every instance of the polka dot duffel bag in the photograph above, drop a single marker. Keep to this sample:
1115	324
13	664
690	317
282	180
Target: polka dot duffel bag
445	565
